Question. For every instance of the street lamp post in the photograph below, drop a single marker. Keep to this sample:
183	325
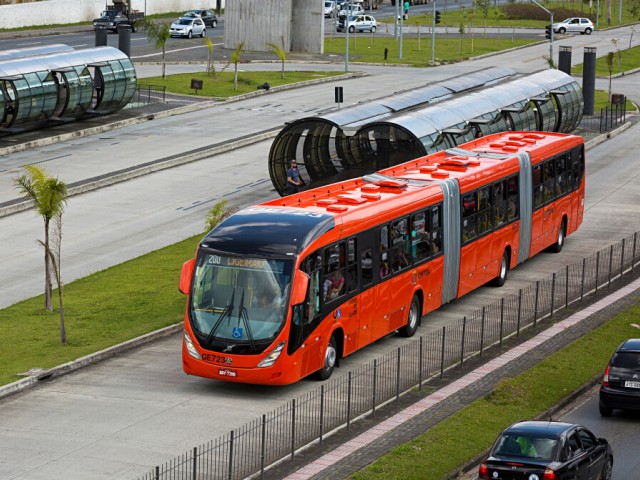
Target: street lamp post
550	31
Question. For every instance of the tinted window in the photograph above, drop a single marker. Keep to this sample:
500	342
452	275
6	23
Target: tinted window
626	360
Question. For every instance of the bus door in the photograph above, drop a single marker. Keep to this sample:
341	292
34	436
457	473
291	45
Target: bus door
576	166
400	255
551	220
484	250
538	216
468	260
381	301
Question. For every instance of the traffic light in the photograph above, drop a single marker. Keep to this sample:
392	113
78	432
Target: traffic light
547	32
437	19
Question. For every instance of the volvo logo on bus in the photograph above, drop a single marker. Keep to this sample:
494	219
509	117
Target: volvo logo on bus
228	360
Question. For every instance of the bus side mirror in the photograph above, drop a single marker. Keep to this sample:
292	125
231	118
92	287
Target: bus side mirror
185	276
300	286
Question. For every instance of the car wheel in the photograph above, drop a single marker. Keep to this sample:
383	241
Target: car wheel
330	359
373	29
562	30
587	31
352	29
557	247
504	270
203	33
214	24
413	319
190	34
605	411
606	470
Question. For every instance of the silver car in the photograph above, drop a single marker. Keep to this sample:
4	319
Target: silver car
188	27
583	26
358	23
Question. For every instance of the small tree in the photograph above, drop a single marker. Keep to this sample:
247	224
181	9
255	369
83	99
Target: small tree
54	252
211	69
235	58
158	33
610	58
217	214
49	196
279	51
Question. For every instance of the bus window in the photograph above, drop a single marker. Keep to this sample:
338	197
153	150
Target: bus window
420	244
333	281
436	230
352	266
484	212
384	251
366	264
469	218
400	242
312	265
513	198
538	186
549	181
562	182
577	166
499	203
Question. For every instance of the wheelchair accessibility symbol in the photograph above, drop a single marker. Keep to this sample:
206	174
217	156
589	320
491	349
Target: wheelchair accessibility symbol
236	332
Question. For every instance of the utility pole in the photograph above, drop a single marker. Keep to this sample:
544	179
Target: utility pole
346	26
550	31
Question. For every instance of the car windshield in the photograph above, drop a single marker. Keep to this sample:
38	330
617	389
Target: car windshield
513	445
185	21
239	299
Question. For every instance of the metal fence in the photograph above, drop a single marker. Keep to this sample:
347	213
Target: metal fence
278	435
148	94
609	117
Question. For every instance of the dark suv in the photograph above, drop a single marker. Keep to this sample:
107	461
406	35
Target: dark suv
621	384
208	16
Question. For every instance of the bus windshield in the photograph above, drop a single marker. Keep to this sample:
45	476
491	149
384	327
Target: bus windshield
239	300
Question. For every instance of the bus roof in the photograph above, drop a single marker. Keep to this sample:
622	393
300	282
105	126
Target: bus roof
285	226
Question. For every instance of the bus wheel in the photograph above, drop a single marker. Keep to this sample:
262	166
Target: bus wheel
557	247
413	319
504	270
330	358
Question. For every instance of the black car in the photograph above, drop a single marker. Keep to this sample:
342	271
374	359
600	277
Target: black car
208	16
621	383
547	451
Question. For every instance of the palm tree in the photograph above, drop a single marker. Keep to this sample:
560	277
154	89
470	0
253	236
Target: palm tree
158	33
279	51
235	58
49	196
217	214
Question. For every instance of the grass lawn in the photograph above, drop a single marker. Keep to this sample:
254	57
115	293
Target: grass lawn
472	430
629	59
221	85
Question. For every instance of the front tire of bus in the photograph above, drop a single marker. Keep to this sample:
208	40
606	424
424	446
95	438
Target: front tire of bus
413	319
562	233
504	270
330	359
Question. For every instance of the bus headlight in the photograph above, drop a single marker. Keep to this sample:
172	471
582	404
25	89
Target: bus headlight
272	357
191	348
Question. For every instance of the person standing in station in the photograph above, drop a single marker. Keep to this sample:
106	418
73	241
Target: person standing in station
293	178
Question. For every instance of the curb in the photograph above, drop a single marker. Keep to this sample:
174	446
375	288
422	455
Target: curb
81	362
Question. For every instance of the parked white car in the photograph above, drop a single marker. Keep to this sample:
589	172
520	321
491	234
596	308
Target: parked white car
583	26
353	9
358	23
188	27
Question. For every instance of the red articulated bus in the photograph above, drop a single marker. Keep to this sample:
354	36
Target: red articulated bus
284	289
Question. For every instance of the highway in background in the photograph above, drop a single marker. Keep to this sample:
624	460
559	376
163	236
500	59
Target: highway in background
117	418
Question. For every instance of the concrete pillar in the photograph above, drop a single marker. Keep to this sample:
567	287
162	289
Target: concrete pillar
564	60
101	37
124	39
589	80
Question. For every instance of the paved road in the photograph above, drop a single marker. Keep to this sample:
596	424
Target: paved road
115	419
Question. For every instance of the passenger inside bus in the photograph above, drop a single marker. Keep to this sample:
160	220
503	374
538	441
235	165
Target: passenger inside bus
333	285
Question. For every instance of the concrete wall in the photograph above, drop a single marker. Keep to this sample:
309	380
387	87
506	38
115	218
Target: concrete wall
49	12
297	25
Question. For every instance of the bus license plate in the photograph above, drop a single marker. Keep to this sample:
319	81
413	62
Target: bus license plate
630	384
227	372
